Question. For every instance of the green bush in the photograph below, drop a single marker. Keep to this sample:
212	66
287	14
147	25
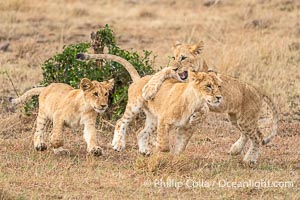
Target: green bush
65	68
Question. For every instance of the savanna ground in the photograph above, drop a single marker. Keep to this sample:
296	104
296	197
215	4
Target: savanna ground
255	41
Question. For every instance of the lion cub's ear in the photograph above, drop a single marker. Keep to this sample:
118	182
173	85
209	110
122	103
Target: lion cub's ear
197	48
110	84
176	44
204	66
217	76
86	84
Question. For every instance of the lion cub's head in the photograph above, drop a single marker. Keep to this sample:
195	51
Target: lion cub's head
96	93
207	85
187	58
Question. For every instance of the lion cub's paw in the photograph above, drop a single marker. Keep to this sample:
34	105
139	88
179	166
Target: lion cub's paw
235	150
61	151
56	143
250	163
149	92
145	152
41	147
96	151
118	144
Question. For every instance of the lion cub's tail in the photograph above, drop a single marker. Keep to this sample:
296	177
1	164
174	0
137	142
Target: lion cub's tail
270	103
128	66
27	95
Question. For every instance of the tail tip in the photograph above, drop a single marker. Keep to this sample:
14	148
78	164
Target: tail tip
266	141
11	99
80	56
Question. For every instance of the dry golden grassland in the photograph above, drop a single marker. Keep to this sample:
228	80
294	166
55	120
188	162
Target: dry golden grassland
257	41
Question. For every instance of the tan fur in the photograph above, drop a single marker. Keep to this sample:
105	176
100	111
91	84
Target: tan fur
158	79
174	106
65	105
242	102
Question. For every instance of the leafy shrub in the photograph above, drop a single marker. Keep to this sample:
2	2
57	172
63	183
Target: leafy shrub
65	68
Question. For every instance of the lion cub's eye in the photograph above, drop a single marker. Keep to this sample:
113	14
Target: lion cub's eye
96	94
219	86
183	58
209	86
105	94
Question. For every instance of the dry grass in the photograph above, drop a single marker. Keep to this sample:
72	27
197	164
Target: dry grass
256	41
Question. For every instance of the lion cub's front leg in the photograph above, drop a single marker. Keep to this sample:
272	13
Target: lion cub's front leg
90	135
184	133
183	136
151	88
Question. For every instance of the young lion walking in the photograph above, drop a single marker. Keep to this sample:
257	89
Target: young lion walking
64	105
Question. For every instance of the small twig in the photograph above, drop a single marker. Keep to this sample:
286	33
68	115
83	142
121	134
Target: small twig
10	80
108	123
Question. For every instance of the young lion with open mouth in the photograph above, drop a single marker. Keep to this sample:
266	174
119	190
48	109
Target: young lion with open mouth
65	105
174	106
242	102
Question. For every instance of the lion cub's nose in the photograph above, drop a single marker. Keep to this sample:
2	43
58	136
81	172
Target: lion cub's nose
103	105
219	97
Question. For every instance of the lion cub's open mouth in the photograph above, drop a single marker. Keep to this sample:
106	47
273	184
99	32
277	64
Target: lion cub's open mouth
183	75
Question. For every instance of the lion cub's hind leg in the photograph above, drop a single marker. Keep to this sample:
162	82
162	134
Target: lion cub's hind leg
144	136
56	138
131	110
252	154
39	135
239	145
249	129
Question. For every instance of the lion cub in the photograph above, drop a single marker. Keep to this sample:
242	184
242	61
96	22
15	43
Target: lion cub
64	105
174	106
242	101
